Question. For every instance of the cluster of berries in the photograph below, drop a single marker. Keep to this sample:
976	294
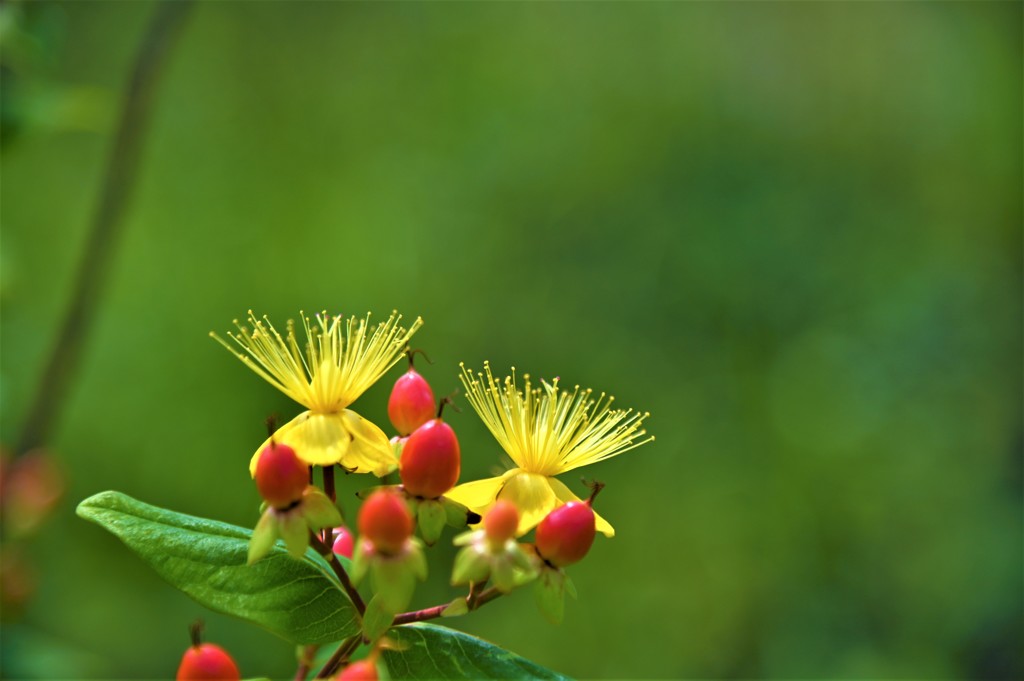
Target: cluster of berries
544	429
429	463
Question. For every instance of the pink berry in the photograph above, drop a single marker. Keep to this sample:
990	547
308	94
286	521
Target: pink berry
343	542
281	476
363	670
207	661
385	521
430	460
566	534
411	403
501	522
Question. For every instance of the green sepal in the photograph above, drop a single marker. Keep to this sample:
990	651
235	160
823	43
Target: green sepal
471	565
550	594
378	618
393	579
432	518
397	445
457	607
503	574
263	537
467	538
318	510
294	531
570	588
360	563
457	515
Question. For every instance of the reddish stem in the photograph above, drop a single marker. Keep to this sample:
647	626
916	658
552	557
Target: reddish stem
347	647
473	601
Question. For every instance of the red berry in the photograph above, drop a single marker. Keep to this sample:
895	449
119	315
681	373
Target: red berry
363	670
281	477
430	460
566	534
343	541
385	521
411	403
501	522
207	661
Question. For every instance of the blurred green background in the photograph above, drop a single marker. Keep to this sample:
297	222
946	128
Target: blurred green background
791	231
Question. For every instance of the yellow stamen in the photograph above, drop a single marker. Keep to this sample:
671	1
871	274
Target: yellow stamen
547	430
337	364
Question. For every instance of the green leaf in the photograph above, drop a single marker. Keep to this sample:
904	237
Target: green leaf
299	600
434	652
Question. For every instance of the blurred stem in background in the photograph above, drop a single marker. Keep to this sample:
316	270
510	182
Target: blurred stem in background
32	482
101	242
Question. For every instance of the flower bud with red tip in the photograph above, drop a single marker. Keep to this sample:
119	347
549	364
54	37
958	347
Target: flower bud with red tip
430	460
501	522
343	542
385	521
565	536
411	403
281	477
206	662
363	670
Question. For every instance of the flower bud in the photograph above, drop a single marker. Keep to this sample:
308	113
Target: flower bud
566	534
501	522
411	403
363	670
430	460
281	477
343	542
385	521
206	661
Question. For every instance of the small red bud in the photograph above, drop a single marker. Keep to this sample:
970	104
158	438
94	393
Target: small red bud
566	534
430	460
385	520
281	476
343	541
363	670
501	522
411	403
207	661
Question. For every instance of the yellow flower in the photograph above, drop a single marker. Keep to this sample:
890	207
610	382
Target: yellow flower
546	431
339	362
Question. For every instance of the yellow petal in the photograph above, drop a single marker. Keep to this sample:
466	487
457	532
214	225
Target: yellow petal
565	495
370	450
532	495
479	495
318	439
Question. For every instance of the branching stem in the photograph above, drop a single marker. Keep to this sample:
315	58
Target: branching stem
347	647
122	173
474	600
305	662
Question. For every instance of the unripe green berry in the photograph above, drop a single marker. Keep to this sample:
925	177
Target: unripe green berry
281	477
385	521
207	662
430	460
363	670
566	534
501	522
411	403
